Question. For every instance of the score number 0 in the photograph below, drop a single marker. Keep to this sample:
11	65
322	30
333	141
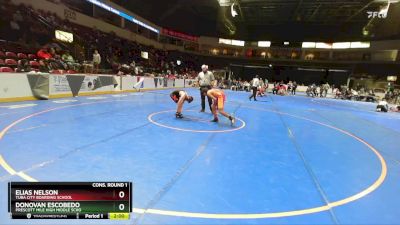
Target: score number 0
121	194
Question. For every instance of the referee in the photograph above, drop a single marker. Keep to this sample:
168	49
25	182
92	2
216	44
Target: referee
255	83
205	80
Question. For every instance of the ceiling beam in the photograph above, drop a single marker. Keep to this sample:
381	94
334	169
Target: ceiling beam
360	10
314	12
171	10
296	11
240	10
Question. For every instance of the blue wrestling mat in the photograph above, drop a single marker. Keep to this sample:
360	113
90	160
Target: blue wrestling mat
287	160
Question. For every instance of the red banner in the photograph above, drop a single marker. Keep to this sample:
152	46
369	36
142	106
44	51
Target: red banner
179	35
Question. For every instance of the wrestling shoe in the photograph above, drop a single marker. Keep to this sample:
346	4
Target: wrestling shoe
215	120
179	115
232	119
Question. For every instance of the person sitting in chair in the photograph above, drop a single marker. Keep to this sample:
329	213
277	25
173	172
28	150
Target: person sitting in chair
382	106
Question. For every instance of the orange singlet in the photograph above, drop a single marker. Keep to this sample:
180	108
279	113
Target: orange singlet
221	100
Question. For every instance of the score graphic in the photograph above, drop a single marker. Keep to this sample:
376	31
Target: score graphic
70	200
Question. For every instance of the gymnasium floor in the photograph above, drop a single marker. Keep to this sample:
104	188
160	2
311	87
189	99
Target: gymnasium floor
287	160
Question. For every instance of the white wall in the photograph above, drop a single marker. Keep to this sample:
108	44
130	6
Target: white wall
383	45
16	85
389	55
203	40
173	47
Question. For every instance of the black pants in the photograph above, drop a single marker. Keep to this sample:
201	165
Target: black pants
156	82
254	93
203	94
383	108
293	91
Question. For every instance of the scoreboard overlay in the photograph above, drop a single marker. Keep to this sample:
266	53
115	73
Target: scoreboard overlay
70	200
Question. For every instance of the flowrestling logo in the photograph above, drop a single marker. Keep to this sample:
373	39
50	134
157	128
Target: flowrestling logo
383	12
375	14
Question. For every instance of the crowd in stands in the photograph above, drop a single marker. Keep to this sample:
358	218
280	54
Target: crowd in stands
360	93
93	51
277	87
282	88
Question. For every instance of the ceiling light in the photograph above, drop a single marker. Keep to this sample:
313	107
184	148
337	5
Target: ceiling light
233	11
224	2
308	45
264	44
388	1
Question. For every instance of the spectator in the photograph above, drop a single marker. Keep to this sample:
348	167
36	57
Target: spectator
290	87
275	88
395	109
14	25
382	106
133	64
96	61
67	57
18	17
44	54
282	89
246	86
56	62
44	57
70	61
23	66
261	89
324	90
53	53
294	87
311	90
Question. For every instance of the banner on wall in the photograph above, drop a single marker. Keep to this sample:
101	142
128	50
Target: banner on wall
162	82
98	83
69	14
44	86
140	81
136	82
159	82
62	84
39	85
59	84
189	83
179	35
75	83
